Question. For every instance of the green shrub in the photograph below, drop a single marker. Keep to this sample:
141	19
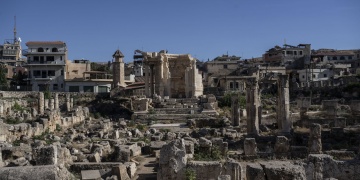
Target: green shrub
12	120
190	174
97	115
226	100
17	107
215	154
141	127
58	127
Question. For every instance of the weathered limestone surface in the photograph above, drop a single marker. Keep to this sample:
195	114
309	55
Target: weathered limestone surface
67	101
283	104
121	172
254	171
45	155
235	110
41	103
172	161
322	166
56	101
250	146
49	172
253	108
276	170
141	104
315	145
282	146
173	75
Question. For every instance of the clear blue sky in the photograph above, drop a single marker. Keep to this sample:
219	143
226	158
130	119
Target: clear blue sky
94	29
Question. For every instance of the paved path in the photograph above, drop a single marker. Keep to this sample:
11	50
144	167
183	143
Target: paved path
147	169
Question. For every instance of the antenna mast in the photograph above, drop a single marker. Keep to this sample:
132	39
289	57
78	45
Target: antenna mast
15	29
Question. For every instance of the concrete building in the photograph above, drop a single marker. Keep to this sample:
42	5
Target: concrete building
46	63
92	81
138	64
76	68
288	56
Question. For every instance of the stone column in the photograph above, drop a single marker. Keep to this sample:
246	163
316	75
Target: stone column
146	67
56	103
252	106
67	100
283	104
71	103
152	83
1	160
46	103
41	103
235	110
52	104
315	145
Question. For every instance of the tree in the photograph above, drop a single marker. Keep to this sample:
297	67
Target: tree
3	73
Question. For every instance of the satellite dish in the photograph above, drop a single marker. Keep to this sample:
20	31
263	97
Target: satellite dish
19	39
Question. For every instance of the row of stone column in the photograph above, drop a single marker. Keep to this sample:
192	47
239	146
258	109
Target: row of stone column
253	106
53	104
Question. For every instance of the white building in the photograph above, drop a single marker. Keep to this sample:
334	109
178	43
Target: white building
46	62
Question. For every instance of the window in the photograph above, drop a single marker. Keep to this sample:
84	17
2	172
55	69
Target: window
349	57
62	72
328	57
342	58
303	76
54	50
102	89
73	88
40	49
300	53
325	75
55	86
51	73
313	76
295	52
37	73
225	66
334	58
60	58
50	58
88	88
231	85
41	59
62	85
36	58
289	52
237	85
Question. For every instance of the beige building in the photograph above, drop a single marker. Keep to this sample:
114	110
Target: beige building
76	68
173	75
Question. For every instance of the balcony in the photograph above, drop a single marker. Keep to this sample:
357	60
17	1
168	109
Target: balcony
27	52
46	63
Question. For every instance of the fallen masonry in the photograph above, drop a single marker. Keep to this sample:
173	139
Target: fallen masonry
189	135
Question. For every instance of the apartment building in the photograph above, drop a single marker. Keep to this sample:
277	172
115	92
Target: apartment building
46	62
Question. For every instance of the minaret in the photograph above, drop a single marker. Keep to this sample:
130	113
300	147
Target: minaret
118	70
